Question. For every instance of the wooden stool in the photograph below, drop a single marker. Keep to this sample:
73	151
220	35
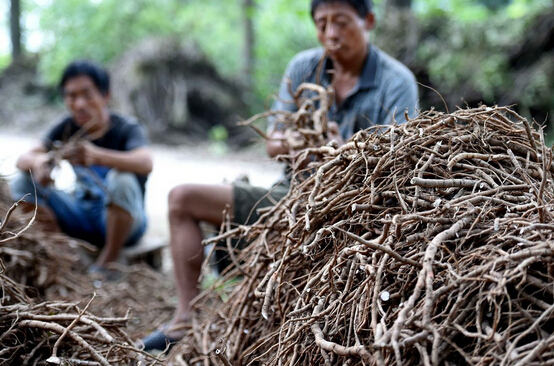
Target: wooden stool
147	250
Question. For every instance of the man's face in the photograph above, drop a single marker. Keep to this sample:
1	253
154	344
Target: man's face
341	30
85	102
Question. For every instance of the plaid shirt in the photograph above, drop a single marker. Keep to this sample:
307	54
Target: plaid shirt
385	90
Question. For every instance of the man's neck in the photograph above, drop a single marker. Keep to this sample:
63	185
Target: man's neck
352	67
99	128
346	74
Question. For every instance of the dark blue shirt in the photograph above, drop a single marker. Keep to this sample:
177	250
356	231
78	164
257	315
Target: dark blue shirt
123	135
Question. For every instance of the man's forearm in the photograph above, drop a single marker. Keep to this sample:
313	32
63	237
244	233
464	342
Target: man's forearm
29	160
39	162
137	161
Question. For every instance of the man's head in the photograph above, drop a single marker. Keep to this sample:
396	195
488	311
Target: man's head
85	88
362	7
95	72
342	26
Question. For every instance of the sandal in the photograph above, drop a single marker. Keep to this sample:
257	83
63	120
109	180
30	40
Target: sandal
162	339
104	274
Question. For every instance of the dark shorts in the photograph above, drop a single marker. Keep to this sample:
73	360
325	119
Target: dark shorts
247	200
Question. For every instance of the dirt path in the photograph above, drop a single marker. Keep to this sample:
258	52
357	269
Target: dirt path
172	166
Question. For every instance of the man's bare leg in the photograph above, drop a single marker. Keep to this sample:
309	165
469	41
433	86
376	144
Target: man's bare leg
118	226
188	205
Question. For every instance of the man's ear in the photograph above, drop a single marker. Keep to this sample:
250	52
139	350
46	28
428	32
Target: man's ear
369	21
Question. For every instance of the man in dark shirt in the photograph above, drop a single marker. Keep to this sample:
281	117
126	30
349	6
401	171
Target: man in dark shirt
370	88
111	160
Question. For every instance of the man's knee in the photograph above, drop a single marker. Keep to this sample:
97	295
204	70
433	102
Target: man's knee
180	199
200	202
195	200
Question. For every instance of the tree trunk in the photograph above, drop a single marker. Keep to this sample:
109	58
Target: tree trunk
15	29
248	14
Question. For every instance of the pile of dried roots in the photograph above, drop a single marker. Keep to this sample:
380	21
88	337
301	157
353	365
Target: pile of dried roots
427	243
308	125
52	313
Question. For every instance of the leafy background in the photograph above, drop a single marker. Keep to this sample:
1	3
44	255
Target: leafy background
463	46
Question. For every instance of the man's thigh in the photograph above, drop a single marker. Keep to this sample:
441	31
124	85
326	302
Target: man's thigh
123	190
73	214
248	199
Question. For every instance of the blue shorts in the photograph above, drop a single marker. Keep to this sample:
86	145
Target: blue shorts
83	213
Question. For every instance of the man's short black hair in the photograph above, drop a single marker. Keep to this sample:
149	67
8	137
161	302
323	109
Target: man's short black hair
97	73
363	7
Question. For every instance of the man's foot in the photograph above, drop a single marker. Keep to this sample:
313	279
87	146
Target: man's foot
164	338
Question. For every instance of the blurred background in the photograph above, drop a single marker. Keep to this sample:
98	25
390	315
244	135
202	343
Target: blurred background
190	69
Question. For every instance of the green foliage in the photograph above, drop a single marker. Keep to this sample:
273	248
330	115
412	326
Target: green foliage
4	34
102	30
521	8
459	56
218	133
472	11
465	45
461	10
99	30
5	61
217	27
463	54
283	29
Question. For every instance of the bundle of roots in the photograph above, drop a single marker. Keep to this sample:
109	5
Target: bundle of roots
426	243
52	313
59	333
308	125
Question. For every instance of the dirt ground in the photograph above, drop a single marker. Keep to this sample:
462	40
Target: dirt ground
203	164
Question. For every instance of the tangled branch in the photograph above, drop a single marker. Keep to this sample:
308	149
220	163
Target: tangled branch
425	243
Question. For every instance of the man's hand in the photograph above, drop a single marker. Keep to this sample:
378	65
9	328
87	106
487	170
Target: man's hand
42	168
333	134
278	143
85	153
79	153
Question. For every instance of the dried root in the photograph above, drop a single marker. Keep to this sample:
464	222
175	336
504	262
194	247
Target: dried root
61	333
425	243
42	283
307	127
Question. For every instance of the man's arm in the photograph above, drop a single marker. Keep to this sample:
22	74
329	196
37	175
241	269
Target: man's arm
38	161
138	161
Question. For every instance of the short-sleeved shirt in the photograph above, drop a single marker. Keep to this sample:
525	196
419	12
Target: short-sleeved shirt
124	134
385	90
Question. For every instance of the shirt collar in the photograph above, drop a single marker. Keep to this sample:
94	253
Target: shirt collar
368	78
